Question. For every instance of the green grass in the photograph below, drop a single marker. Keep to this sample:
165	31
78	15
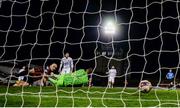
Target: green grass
82	97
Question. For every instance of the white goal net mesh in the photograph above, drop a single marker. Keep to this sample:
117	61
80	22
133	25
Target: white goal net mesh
144	46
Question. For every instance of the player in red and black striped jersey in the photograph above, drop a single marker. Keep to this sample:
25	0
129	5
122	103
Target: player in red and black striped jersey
38	75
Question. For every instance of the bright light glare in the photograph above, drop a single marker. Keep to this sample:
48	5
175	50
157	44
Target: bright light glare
110	28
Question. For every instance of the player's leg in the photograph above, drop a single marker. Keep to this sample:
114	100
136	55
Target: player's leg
90	82
112	81
170	84
109	82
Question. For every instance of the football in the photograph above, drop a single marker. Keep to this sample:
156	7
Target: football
145	86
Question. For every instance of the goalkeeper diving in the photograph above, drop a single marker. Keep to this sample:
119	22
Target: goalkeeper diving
79	77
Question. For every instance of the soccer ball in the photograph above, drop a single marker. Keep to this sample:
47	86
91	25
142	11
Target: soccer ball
145	86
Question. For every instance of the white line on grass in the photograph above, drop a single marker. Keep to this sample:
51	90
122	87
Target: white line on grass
81	97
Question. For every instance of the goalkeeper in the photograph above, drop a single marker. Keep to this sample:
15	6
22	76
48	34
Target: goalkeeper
79	77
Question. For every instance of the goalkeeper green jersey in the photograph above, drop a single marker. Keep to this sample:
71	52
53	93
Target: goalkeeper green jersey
75	78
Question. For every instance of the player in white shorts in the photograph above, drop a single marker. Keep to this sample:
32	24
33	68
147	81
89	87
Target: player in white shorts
111	76
66	65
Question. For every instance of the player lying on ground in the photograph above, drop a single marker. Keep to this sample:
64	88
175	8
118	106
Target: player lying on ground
79	77
37	75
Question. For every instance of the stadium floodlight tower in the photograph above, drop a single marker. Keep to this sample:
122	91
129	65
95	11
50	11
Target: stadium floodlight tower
109	30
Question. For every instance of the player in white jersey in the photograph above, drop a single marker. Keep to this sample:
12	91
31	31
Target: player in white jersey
21	77
66	65
111	76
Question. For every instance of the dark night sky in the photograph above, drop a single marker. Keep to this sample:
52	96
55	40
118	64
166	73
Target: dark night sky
43	35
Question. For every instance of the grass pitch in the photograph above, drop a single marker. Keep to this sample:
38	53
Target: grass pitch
84	97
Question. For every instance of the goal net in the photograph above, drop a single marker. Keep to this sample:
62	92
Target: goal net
140	38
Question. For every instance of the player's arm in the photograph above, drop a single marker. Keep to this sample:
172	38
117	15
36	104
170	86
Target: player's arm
107	72
115	72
